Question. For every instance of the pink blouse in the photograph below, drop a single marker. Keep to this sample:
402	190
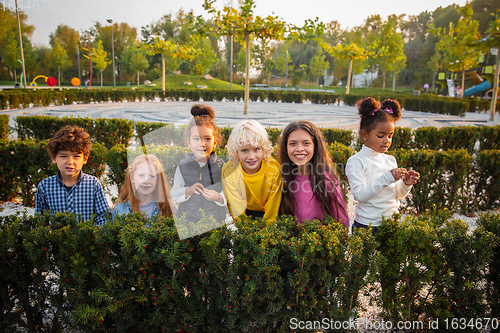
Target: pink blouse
307	207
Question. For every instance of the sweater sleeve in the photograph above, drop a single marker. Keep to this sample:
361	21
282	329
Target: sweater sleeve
234	190
272	206
402	189
178	190
362	191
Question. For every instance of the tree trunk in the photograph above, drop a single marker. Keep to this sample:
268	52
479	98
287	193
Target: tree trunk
463	83
383	85
393	80
15	75
495	90
59	75
247	79
163	72
348	78
317	81
268	79
137	78
101	78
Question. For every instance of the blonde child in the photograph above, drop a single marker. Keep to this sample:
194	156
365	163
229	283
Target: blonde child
145	189
197	179
310	183
252	177
375	179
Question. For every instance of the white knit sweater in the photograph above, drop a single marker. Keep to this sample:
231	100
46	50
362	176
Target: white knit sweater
373	186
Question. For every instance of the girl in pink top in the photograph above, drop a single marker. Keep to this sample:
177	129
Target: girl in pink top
309	179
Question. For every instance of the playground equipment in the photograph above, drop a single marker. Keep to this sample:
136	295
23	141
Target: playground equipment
481	78
482	87
51	81
75	81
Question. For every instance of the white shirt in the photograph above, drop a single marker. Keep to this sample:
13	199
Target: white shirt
373	186
178	191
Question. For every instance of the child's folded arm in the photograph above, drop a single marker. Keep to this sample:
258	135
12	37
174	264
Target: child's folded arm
178	191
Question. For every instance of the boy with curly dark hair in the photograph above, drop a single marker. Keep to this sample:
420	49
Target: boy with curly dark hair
71	190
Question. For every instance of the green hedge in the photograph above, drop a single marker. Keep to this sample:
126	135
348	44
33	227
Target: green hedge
109	132
23	98
126	277
433	267
4	127
428	103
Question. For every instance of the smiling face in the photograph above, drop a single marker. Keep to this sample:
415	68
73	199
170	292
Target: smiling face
380	138
144	181
250	158
300	148
69	164
201	142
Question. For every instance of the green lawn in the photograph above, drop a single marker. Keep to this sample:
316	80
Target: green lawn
7	83
174	81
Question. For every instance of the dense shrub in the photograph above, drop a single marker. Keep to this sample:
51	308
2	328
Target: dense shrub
432	267
4	127
109	132
125	276
128	277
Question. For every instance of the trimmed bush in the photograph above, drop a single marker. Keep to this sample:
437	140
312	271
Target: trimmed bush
4	127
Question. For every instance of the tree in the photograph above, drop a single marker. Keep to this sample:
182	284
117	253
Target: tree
123	35
392	58
457	44
134	58
281	61
59	58
350	52
493	40
204	54
12	54
318	65
69	40
169	49
99	58
244	25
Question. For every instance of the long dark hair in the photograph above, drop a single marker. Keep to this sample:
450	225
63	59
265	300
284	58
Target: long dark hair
320	164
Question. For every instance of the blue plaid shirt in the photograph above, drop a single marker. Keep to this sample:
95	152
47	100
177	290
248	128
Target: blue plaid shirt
84	198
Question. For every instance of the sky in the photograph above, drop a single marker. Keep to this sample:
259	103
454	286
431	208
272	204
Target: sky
81	14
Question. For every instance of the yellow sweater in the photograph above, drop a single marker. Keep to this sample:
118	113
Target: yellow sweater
260	191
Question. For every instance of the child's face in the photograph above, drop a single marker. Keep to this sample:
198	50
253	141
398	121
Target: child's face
144	181
300	147
201	142
250	158
69	163
379	138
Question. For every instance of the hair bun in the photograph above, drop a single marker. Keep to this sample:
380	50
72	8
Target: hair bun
201	110
394	106
367	106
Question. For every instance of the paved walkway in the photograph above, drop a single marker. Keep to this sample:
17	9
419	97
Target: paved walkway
229	113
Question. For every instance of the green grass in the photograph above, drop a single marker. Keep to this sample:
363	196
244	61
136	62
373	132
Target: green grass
7	83
174	81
